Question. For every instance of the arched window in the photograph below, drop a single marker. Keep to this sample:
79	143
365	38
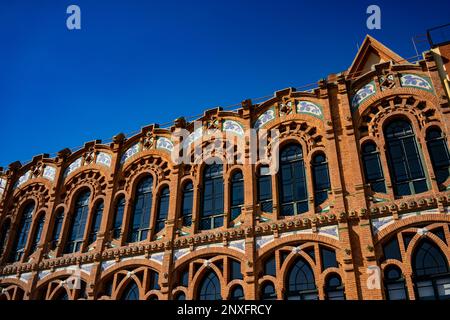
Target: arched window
188	201
140	220
431	273
163	209
96	221
237	293
373	171
408	175
131	292
237	194
440	158
334	289
4	233
78	222
292	181
22	236
321	179
118	216
394	284
62	295
180	296
268	291
38	232
210	287
57	226
154	280
212	206
265	189
301	284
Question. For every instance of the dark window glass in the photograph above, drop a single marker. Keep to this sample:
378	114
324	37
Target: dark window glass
63	295
334	289
440	158
265	189
212	205
4	233
392	250
292	181
184	278
154	280
237	194
301	284
78	223
328	258
131	292
405	164
180	296
407	237
118	217
188	201
96	221
237	293
235	270
140	220
373	171
394	284
268	292
270	267
210	287
163	209
431	274
22	236
439	232
38	233
321	179
57	226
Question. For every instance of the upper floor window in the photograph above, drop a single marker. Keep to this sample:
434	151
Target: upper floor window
22	236
118	217
38	232
292	181
140	219
237	194
408	175
212	214
96	221
321	179
440	158
4	233
188	201
78	223
57	226
265	189
373	171
163	209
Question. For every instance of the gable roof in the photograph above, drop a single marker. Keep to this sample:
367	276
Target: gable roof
371	52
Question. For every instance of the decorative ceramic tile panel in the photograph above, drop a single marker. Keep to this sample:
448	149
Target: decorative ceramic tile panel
73	166
49	173
179	253
263	240
157	257
415	81
211	245
363	94
194	136
307	107
130	152
104	159
164	143
238	245
380	223
291	233
24	178
25	276
233	127
2	185
330	231
107	264
266	117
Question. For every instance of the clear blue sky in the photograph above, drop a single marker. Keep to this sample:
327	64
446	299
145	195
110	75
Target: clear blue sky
139	62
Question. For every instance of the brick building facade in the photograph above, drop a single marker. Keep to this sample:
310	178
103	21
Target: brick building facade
358	210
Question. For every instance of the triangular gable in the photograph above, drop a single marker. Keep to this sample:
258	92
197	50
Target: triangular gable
371	52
